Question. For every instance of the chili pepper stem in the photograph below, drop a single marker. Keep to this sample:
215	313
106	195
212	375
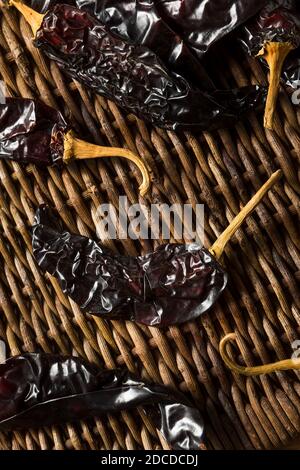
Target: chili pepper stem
77	149
287	364
220	244
34	18
274	54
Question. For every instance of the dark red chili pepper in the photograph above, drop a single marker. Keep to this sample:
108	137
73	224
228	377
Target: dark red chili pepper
138	21
132	75
195	23
43	389
272	35
171	285
201	23
174	284
32	132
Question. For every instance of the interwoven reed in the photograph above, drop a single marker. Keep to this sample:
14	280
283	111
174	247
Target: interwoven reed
221	170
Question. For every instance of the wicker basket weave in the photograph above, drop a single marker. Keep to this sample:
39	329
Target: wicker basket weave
222	170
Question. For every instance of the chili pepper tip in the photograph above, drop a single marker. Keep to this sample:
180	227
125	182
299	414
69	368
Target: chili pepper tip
286	364
220	244
34	18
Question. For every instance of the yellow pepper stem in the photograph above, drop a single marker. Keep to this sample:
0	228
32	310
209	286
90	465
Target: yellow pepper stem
274	54
220	244
34	18
287	364
76	149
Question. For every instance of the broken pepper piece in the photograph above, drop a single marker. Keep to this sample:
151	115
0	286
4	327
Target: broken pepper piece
174	284
32	132
44	389
272	35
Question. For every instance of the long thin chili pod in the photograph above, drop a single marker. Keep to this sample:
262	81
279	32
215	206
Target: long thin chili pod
286	364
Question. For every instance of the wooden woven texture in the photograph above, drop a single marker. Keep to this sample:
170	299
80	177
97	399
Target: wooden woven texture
221	170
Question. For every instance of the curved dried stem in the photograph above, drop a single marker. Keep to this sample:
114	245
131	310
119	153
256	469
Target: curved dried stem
76	149
287	364
274	54
220	244
34	18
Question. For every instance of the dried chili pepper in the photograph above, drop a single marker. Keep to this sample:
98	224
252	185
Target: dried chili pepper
133	76
286	364
201	23
138	21
272	35
32	132
44	389
174	284
160	23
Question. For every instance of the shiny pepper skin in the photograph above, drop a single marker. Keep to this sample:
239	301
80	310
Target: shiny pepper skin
174	284
31	132
45	389
134	77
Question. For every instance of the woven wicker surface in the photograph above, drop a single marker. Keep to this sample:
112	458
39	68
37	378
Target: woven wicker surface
221	170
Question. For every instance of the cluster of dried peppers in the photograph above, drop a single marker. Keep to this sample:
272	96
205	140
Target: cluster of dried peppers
174	284
133	75
150	68
32	132
48	389
272	35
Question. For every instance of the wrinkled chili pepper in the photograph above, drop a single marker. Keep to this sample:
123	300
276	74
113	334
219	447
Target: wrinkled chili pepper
138	21
272	35
44	389
174	284
32	132
132	75
197	23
